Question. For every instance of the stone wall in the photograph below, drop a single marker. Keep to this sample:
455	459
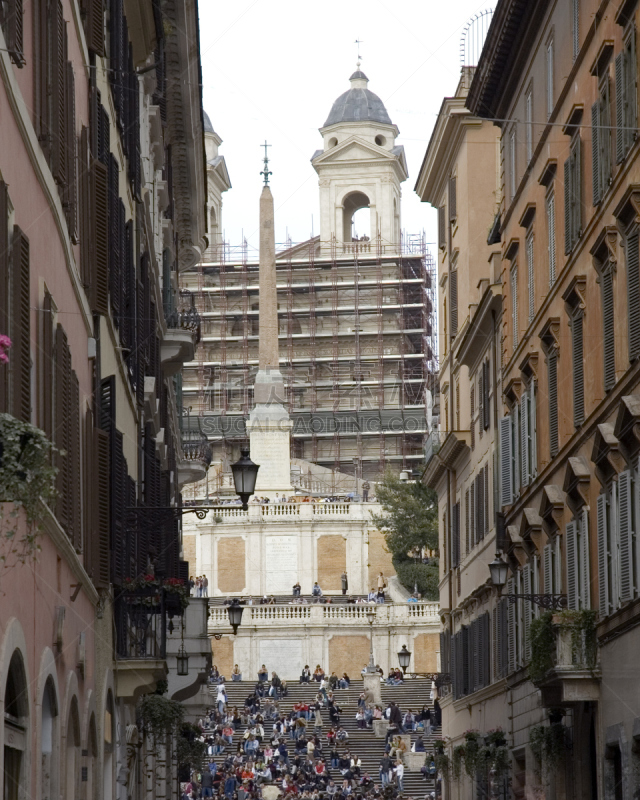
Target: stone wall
425	652
379	558
332	561
222	655
348	654
231	564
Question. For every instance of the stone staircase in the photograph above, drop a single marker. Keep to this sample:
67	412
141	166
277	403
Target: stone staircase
412	694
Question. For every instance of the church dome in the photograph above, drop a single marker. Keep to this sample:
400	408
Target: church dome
208	127
358	104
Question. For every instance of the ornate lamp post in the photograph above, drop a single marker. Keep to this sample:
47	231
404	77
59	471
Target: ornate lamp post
245	473
498	572
404	659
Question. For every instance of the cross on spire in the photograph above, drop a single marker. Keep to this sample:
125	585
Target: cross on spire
265	172
358	42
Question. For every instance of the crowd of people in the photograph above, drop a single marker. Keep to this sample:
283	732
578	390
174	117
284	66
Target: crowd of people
199	586
291	750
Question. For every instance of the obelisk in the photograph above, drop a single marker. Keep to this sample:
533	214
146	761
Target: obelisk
269	425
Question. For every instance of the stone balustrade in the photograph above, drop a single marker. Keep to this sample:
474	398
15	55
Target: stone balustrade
387	614
293	512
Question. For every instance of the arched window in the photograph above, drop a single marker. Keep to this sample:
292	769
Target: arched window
72	761
16	729
49	756
351	204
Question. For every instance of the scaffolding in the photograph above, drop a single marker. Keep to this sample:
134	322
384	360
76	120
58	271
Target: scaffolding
358	351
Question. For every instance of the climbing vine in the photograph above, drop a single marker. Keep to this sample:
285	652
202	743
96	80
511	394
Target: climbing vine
548	744
543	646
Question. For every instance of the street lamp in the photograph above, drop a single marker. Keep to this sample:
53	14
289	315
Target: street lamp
183	661
404	658
235	614
370	669
245	473
498	571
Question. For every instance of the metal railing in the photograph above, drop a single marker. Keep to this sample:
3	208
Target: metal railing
187	319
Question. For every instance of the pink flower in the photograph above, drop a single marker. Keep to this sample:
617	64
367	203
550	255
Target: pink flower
5	344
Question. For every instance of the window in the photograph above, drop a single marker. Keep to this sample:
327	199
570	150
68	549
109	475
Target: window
550	97
506	448
577	354
608	543
551	235
11	19
514	303
455	535
633	293
442	228
512	163
601	140
453	300
628	496
575	27
608	327
530	277
528	456
472	409
552	392
551	562
453	204
572	195
486	386
528	121
577	561
626	95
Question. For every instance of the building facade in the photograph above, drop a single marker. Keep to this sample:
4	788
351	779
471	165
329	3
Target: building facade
101	203
560	83
460	177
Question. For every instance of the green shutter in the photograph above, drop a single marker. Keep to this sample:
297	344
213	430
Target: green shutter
571	539
633	295
595	153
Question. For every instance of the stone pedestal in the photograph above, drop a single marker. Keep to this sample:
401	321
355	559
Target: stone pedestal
380	727
269	430
372	688
414	761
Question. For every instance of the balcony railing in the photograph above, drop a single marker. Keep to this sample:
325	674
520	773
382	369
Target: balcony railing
187	319
197	450
433	444
140	626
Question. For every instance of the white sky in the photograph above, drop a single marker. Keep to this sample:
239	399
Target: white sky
273	68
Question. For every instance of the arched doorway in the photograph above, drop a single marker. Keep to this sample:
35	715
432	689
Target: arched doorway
107	764
16	730
72	756
351	204
49	756
91	792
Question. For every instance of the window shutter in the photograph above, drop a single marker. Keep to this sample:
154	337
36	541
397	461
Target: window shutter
578	369
495	641
480	531
526	605
486	498
633	295
453	301
547	567
506	479
442	228
455	531
595	152
620	115
480	402
485	386
571	536
514	304
45	369
454	667
4	291
557	565
71	145
568	234
608	333
94	26
531	278
552	377
472	408
524	439
12	19
585	567
504	636
551	236
59	108
101	536
533	431
62	393
576	188
100	239
75	466
472	514
21	327
626	535
84	202
631	116
511	628
467	531
453	201
603	556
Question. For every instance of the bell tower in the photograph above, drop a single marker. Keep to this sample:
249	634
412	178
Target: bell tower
360	166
